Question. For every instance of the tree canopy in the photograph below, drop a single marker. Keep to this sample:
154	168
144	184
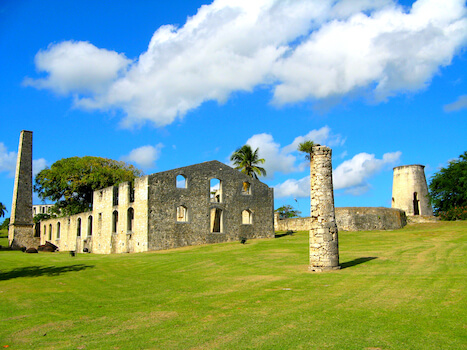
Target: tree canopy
2	210
307	147
448	187
247	161
70	182
287	211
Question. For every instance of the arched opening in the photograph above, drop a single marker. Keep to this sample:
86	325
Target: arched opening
416	204
181	182
216	220
58	230
78	228
90	225
130	218
215	190
182	214
50	232
247	217
114	221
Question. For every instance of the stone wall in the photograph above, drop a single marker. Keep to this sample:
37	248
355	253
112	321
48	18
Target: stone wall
204	205
353	219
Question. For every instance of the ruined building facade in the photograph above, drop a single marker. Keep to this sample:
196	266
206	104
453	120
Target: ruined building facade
410	190
204	203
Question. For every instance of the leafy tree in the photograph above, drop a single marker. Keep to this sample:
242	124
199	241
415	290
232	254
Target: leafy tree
448	187
248	161
2	210
4	225
287	211
70	182
307	147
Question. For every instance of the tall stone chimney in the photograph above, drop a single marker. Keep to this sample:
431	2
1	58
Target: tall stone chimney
21	230
324	247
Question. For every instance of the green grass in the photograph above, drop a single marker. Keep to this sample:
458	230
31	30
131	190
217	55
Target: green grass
401	289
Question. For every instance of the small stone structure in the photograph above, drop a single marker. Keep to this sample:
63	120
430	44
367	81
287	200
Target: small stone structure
410	191
324	247
198	204
352	219
21	230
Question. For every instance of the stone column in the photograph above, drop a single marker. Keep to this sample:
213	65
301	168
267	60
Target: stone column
21	229
324	248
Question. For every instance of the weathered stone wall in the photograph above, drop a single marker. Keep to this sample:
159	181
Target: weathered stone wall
410	190
109	227
21	229
353	219
324	247
164	198
96	233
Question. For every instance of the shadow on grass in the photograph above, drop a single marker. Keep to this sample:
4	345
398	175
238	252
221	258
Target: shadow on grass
288	233
36	271
357	261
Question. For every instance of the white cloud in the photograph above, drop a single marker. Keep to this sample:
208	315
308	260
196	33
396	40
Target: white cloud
280	159
351	175
38	165
302	50
461	103
7	160
354	173
77	67
144	156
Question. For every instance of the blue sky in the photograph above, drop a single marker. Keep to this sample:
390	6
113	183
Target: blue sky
174	83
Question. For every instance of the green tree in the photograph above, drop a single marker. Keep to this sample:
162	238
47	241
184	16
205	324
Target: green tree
2	210
307	147
5	224
287	211
247	161
70	182
448	187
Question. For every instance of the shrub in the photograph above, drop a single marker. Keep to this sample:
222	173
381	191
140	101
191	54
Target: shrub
456	213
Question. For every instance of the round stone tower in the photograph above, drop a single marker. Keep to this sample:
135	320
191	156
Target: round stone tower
410	191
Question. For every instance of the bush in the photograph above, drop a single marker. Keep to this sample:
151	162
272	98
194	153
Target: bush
456	213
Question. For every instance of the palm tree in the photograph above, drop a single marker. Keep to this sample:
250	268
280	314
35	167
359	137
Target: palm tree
2	210
247	161
307	147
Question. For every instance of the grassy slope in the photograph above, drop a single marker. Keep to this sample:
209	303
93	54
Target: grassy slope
400	289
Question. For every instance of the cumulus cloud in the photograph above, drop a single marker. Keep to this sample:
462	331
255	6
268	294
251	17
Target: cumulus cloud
144	156
7	160
351	175
461	103
77	67
301	50
38	165
283	159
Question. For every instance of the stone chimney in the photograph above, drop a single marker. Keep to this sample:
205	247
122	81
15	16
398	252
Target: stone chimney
21	229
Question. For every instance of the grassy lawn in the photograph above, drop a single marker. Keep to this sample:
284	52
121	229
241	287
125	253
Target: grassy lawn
401	289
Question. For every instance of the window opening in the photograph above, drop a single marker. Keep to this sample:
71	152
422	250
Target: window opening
215	190
181	181
58	230
37	230
78	228
90	225
132	192
182	214
246	188
50	232
114	221
216	220
131	216
115	195
247	217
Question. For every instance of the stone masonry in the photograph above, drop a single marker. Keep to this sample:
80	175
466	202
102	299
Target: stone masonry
410	190
324	248
21	229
